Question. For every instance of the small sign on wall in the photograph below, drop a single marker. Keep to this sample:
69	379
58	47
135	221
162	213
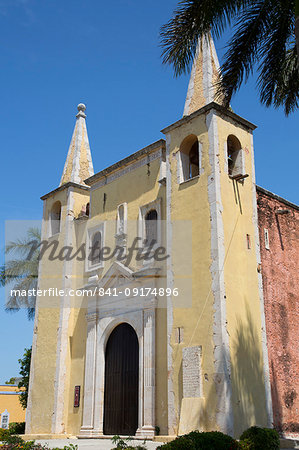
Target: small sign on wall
77	397
5	419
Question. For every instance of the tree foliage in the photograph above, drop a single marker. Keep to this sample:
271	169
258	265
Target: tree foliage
12	380
25	373
21	272
263	37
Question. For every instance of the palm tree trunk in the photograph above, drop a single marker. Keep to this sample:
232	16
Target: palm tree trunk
297	27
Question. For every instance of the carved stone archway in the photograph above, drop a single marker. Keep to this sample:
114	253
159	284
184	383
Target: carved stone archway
104	314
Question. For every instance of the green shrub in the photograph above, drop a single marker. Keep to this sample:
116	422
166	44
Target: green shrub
124	444
245	445
8	438
25	445
66	447
12	442
211	440
257	438
4	434
17	428
180	443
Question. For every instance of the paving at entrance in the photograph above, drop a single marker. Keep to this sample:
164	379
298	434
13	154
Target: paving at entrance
99	444
104	444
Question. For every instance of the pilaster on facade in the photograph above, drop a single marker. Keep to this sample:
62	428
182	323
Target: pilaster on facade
62	338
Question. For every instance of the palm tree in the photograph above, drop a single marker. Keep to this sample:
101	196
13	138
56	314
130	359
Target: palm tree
264	35
22	271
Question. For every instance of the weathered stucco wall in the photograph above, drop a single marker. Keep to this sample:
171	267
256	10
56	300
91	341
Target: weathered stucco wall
188	202
280	269
243	308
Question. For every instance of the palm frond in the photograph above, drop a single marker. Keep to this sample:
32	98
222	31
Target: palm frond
15	302
278	80
243	49
34	233
192	19
23	246
21	273
17	268
287	86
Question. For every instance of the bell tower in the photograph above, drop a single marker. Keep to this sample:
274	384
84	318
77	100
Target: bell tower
54	314
211	183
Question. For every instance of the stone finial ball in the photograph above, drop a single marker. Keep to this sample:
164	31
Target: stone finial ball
81	107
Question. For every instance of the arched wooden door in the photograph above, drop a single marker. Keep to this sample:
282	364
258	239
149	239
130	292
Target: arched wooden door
121	382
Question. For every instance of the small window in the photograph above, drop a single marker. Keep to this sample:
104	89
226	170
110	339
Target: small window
235	158
189	164
151	227
194	161
267	242
248	241
55	218
179	335
95	249
121	220
95	241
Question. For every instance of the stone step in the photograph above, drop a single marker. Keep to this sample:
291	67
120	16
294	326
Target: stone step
289	443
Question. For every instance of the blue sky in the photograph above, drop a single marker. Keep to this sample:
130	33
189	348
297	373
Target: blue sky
57	53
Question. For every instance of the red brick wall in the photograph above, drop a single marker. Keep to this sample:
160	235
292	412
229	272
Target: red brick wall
280	269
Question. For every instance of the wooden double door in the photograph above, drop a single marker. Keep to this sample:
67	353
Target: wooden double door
121	382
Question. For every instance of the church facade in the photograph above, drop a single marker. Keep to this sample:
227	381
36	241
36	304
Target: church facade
192	352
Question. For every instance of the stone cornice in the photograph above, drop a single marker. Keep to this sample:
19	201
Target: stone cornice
220	109
126	161
65	186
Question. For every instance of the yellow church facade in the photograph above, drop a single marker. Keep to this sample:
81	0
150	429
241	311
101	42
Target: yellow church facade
173	339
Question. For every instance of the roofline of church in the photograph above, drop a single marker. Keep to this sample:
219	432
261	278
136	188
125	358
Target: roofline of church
207	108
277	197
123	162
64	186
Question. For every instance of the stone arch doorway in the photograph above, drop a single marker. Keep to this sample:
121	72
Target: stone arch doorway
121	382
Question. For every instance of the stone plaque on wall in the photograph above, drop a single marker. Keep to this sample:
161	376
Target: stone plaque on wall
192	372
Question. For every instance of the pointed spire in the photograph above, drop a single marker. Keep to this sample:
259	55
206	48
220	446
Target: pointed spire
204	75
78	165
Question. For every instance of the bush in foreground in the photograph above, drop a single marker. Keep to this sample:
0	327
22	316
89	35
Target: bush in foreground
14	442
257	438
17	428
254	438
124	444
210	440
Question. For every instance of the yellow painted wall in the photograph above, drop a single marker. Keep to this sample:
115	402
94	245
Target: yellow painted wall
241	284
47	325
48	320
11	403
189	202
